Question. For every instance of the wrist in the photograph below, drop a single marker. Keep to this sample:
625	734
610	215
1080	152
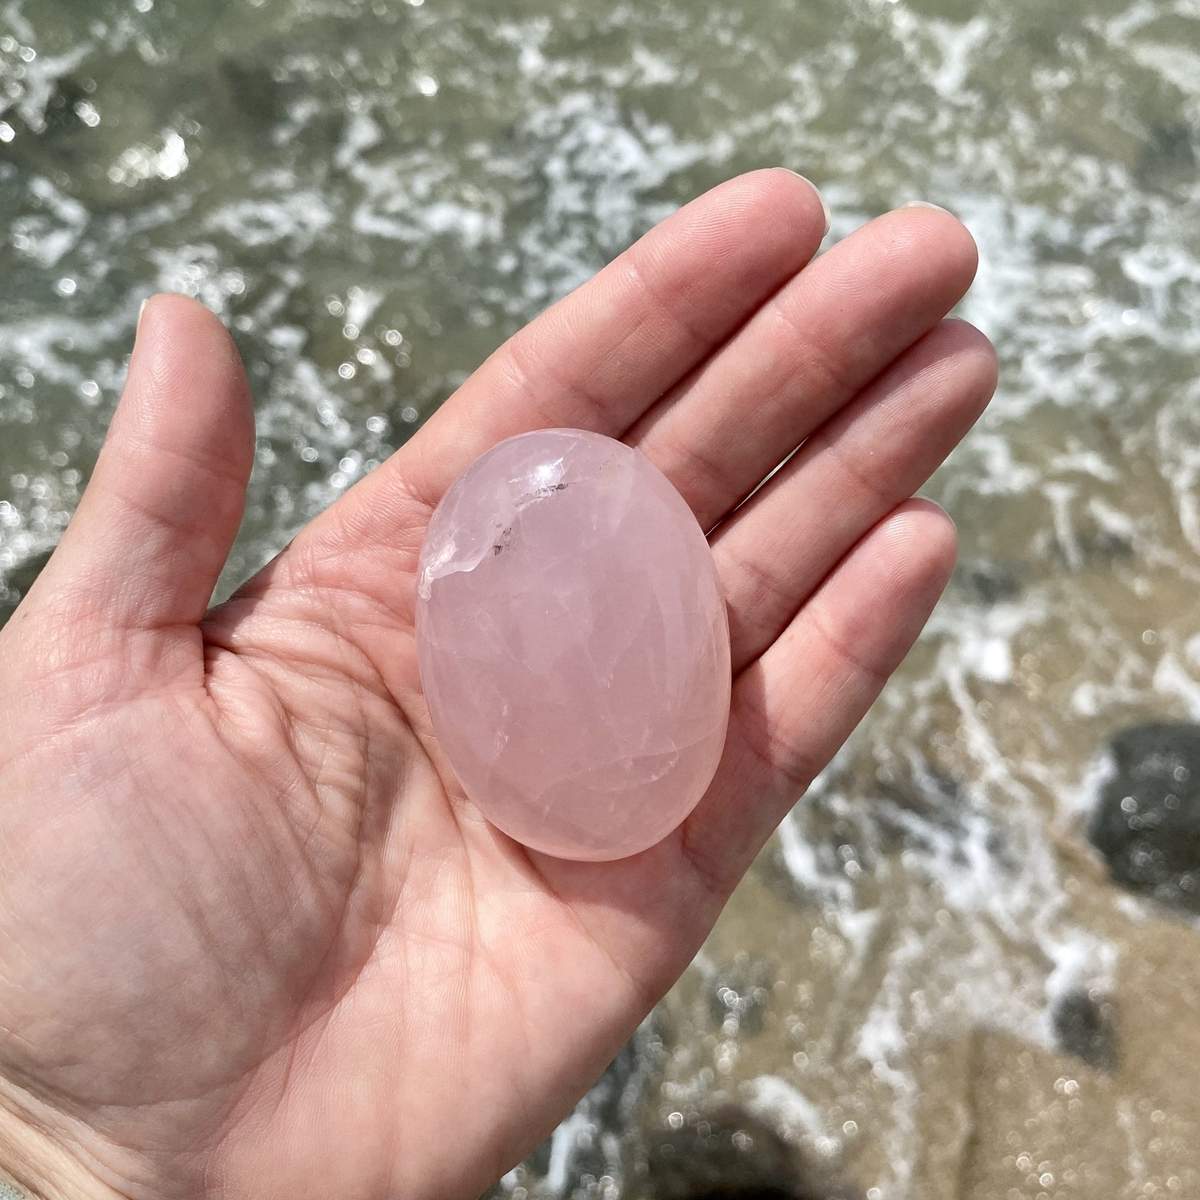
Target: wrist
36	1163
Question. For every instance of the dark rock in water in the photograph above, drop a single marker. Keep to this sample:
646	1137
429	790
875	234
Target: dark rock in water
1086	1028
987	583
1169	153
250	88
729	1155
745	1194
1147	822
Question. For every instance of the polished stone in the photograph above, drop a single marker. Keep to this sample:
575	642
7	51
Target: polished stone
573	644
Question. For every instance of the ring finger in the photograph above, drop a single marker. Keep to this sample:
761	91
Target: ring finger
879	450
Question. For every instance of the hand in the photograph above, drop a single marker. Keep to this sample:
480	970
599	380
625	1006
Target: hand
254	942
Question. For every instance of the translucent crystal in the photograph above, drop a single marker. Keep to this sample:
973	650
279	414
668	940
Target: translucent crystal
573	644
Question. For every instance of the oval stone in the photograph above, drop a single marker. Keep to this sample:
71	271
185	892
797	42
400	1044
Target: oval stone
573	644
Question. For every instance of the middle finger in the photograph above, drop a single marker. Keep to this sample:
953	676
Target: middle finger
809	350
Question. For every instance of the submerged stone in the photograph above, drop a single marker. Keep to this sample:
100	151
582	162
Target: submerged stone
573	644
727	1154
1085	1027
1147	822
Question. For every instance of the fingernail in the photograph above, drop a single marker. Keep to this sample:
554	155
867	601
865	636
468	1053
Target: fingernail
926	204
141	314
824	206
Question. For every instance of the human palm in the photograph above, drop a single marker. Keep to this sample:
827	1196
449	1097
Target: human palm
254	941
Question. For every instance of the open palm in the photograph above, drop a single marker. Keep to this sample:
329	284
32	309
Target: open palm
254	941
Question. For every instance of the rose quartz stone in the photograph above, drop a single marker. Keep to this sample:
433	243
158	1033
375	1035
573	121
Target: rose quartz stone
573	644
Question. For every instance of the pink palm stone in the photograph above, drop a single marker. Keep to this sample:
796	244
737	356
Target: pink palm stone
573	644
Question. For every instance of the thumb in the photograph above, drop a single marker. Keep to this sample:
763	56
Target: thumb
161	510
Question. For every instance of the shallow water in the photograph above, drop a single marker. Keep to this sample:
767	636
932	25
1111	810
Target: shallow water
928	987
